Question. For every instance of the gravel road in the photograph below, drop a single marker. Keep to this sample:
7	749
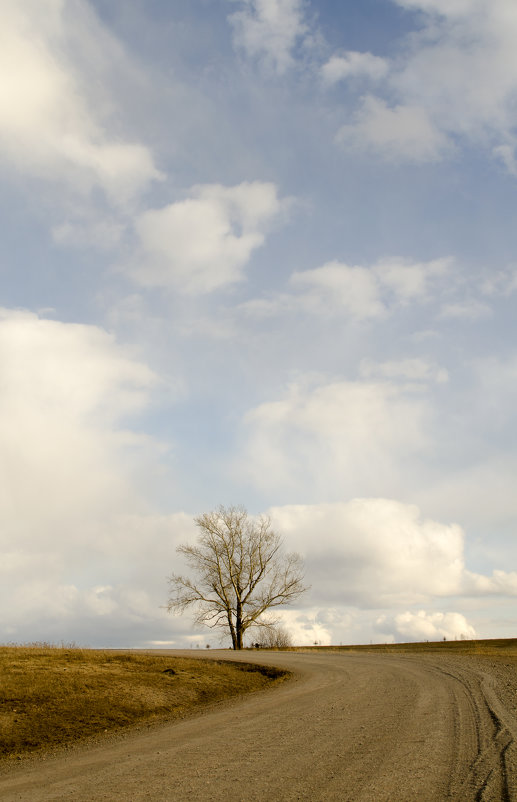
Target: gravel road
349	726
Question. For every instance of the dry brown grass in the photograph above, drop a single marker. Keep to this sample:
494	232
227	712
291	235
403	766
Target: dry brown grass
493	647
53	696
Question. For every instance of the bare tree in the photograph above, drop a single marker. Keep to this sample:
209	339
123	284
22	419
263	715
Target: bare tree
240	573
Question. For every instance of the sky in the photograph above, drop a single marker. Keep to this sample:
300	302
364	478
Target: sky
259	253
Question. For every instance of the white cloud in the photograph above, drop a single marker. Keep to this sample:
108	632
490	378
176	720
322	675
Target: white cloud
421	626
311	626
353	64
455	78
354	289
269	30
388	434
203	243
499	583
66	388
318	440
381	553
77	544
361	292
51	125
373	552
411	280
403	132
463	66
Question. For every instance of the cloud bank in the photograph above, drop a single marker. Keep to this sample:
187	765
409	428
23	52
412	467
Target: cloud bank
71	465
54	124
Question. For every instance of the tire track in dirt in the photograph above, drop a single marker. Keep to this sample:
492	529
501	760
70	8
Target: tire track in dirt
349	726
494	729
493	769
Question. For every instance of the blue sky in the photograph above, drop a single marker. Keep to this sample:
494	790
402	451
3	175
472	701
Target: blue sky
259	252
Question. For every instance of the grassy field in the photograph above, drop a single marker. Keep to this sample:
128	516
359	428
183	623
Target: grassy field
506	647
53	696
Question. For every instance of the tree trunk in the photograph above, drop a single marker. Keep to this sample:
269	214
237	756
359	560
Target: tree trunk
238	626
232	631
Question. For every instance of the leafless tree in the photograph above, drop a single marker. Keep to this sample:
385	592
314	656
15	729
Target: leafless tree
240	573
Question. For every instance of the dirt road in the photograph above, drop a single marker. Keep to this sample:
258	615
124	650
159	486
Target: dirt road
361	727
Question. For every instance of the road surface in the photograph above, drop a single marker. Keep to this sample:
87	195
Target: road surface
349	726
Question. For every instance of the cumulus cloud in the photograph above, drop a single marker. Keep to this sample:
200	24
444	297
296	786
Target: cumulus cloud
499	583
51	125
203	243
373	552
269	30
363	292
357	292
354	289
353	64
421	626
318	439
75	542
410	281
382	553
66	390
403	132
456	78
312	626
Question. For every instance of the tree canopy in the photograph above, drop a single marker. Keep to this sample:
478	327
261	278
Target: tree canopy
239	573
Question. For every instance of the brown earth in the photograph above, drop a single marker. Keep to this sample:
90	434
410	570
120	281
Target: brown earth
367	727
